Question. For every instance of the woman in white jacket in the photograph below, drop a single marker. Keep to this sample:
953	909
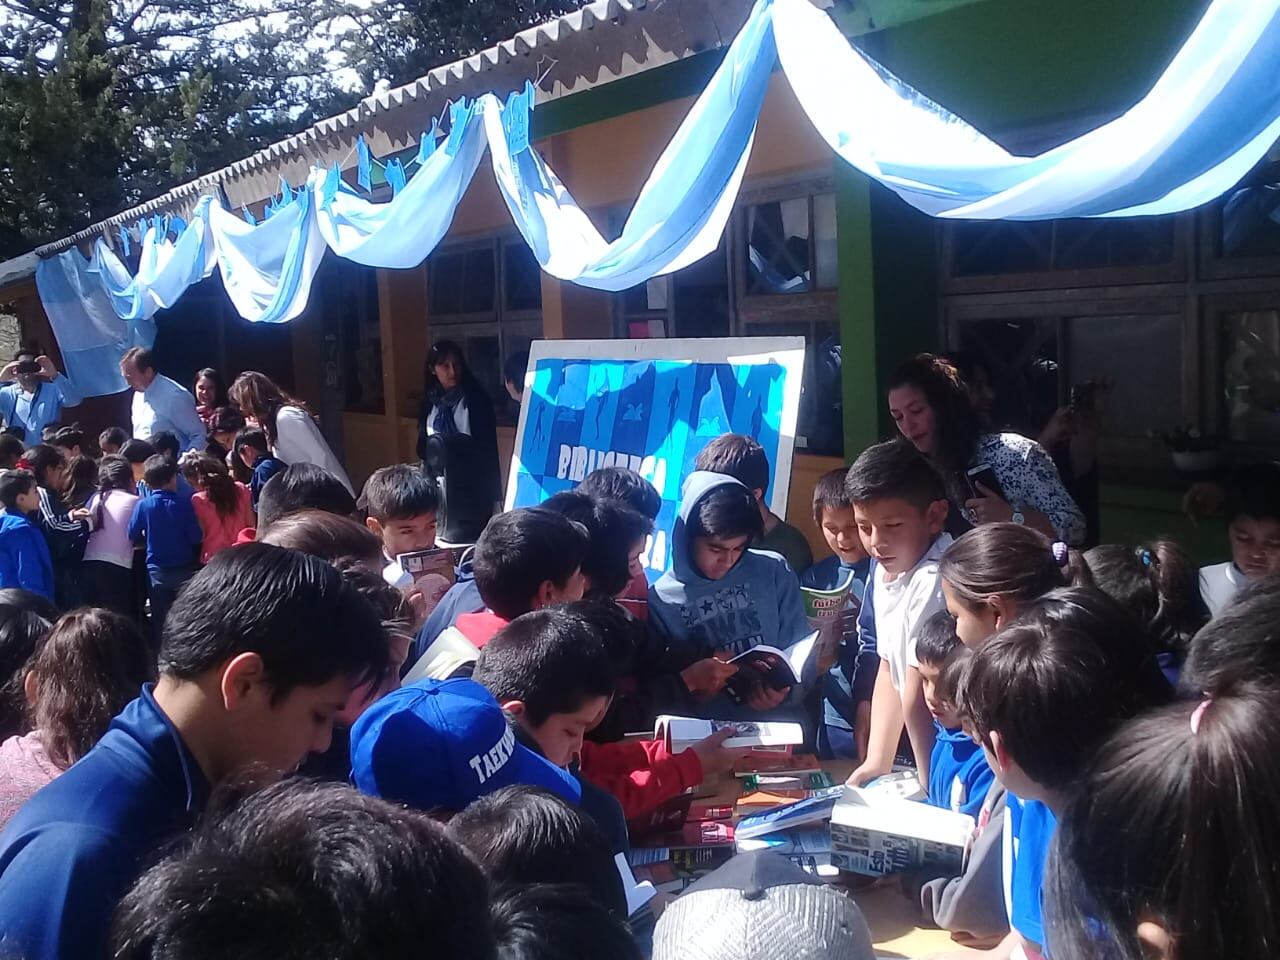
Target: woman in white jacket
290	429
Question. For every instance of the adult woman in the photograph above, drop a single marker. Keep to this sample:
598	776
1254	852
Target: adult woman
932	409
458	444
291	433
210	394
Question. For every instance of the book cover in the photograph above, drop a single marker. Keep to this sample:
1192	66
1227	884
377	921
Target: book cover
447	653
432	571
757	763
670	815
801	813
766	666
811	840
680	733
876	835
801	780
833	614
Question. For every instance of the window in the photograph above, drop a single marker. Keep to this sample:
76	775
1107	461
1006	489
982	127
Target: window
1245	354
1001	248
486	295
790	245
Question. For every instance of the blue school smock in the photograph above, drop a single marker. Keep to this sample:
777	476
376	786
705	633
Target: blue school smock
959	775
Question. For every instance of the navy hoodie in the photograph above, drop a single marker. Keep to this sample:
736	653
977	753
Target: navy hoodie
757	602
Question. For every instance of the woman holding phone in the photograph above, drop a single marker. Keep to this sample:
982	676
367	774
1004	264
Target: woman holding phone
990	477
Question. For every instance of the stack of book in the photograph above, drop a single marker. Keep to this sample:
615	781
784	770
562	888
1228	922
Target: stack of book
797	829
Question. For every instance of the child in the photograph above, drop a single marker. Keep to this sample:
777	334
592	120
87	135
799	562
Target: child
1252	511
1041	696
223	507
90	667
628	487
108	557
1239	646
1157	583
11	449
24	554
744	459
69	440
224	424
168	525
252	450
992	572
440	745
303	486
1208	769
720	599
260	652
310	870
401	503
959	775
25	619
527	835
111	440
137	453
65	531
901	509
846	714
524	560
554	676
616	536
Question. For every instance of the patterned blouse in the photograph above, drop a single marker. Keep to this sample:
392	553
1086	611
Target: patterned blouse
1029	480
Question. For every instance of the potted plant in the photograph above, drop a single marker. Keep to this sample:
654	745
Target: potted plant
1194	452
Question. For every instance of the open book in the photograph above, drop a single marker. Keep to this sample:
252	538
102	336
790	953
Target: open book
874	832
768	666
638	892
447	653
680	733
432	572
833	613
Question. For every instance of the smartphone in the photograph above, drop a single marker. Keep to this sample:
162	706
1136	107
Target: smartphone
983	474
28	366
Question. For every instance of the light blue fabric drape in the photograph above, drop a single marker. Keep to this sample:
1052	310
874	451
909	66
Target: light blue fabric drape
1209	119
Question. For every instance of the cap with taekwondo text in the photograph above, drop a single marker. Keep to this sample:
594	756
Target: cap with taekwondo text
442	744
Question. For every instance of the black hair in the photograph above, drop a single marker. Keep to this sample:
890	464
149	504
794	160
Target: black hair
620	632
1174	823
612	528
303	486
142	358
158	470
389	603
81	481
228	420
399	492
956	424
551	660
625	486
440	351
68	437
519	551
1253	491
1157	583
515	367
725	512
25	352
302	869
1011	561
11	448
114	473
527	835
739	457
91	665
137	451
936	642
219	388
556	922
115	436
25	619
42	458
166	444
14	483
1240	645
893	469
328	536
1058	680
830	493
251	437
293	610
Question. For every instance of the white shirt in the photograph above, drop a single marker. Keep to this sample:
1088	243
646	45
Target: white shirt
1219	585
299	440
461	419
902	605
167	405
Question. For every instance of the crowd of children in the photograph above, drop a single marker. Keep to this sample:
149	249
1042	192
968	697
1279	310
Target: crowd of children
322	761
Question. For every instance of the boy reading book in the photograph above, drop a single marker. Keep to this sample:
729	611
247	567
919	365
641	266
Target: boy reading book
901	508
1252	510
720	600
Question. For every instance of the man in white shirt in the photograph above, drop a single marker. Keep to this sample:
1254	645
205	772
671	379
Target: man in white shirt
160	403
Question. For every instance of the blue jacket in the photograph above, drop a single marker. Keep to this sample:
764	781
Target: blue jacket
167	521
45	408
71	853
852	678
264	468
24	556
959	775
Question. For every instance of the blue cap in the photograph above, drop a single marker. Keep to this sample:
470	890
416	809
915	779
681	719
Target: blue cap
442	744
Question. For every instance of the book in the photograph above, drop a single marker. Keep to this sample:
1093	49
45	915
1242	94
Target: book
833	614
670	815
432	572
447	653
767	798
876	834
813	839
680	733
698	833
710	811
766	666
801	813
639	892
800	780
756	763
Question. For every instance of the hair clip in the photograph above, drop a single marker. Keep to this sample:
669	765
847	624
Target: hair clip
22	464
1198	714
1060	551
1145	556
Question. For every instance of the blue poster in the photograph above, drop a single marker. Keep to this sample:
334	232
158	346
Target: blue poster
638	404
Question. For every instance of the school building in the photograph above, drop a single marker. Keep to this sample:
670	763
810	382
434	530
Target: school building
1181	313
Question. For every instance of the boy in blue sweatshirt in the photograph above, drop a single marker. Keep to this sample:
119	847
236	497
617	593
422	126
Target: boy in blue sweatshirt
252	449
167	522
24	554
721	599
959	775
846	687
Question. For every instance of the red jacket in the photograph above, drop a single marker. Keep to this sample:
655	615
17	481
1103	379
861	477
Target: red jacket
641	774
480	627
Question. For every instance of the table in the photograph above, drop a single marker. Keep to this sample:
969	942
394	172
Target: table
894	920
